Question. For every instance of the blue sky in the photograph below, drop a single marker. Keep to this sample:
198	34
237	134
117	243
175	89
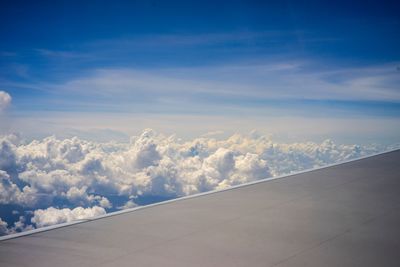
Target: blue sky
295	69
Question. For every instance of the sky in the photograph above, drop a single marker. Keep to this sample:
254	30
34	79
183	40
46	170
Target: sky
107	105
298	70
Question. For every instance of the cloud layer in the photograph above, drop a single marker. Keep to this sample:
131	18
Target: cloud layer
52	181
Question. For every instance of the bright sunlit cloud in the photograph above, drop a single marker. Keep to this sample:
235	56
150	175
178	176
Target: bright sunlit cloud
52	180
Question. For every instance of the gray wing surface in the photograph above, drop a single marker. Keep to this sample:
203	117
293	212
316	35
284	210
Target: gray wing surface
343	215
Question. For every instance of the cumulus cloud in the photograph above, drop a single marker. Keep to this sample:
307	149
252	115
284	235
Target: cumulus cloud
79	196
128	205
19	226
7	152
11	194
52	215
3	228
5	100
63	180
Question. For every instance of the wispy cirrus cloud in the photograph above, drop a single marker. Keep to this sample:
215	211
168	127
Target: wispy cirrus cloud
183	48
242	92
252	38
7	54
282	80
62	54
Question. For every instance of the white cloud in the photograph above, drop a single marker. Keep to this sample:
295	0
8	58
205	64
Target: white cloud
11	194
79	197
104	202
7	152
5	100
52	215
19	226
41	174
85	172
3	228
128	205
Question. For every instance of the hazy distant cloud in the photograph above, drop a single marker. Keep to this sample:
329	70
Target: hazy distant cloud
52	215
213	133
5	100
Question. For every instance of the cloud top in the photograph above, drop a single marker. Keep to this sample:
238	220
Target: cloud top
54	180
52	215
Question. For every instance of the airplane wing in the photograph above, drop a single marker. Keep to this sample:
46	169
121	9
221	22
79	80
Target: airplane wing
343	215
